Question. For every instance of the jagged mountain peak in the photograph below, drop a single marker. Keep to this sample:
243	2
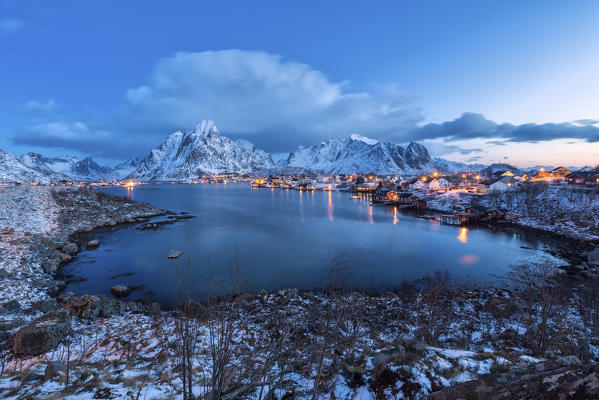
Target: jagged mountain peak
205	128
360	138
198	152
357	153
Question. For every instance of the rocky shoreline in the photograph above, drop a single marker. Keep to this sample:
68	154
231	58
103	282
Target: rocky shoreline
442	340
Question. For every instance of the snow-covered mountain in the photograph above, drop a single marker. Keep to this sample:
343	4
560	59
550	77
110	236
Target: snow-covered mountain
360	154
493	168
456	166
200	151
14	170
88	170
61	164
125	169
38	163
69	168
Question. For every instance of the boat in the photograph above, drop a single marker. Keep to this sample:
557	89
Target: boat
175	253
354	197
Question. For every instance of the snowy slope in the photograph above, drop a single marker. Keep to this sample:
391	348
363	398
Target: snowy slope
200	151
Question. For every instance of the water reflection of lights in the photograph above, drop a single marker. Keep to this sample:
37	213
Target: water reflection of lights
129	192
395	219
463	236
330	207
469	259
370	219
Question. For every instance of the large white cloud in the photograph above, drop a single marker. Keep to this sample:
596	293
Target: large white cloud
255	94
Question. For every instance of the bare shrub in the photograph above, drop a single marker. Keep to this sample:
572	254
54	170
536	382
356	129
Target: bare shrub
543	301
435	307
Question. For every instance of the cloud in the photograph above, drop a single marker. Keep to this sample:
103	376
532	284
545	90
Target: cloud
10	25
39	106
474	126
261	96
440	148
275	103
75	136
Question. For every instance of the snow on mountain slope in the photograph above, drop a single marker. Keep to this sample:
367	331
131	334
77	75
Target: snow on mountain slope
88	170
456	166
13	170
493	168
38	162
359	154
68	168
200	151
61	164
125	169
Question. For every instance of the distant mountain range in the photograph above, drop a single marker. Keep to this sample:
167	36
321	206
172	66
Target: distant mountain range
203	150
33	167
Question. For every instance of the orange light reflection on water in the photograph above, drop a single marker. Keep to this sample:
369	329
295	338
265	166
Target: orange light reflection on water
463	236
330	207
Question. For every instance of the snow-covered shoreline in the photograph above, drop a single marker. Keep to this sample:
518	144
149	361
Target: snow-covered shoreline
407	343
36	222
565	211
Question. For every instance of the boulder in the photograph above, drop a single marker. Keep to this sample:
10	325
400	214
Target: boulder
568	360
50	266
112	307
92	244
62	257
93	306
42	335
135	307
154	309
380	359
120	291
70	248
54	368
86	306
43	305
416	346
32	377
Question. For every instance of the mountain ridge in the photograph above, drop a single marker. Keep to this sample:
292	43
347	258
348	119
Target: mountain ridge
202	150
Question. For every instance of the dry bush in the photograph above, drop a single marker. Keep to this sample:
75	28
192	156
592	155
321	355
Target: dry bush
544	302
435	307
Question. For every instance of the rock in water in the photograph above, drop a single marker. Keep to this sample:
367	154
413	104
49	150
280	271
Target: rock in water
93	244
120	291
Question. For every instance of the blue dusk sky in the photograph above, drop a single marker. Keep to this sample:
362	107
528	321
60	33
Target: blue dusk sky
475	81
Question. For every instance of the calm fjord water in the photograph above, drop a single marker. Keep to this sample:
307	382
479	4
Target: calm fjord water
284	238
